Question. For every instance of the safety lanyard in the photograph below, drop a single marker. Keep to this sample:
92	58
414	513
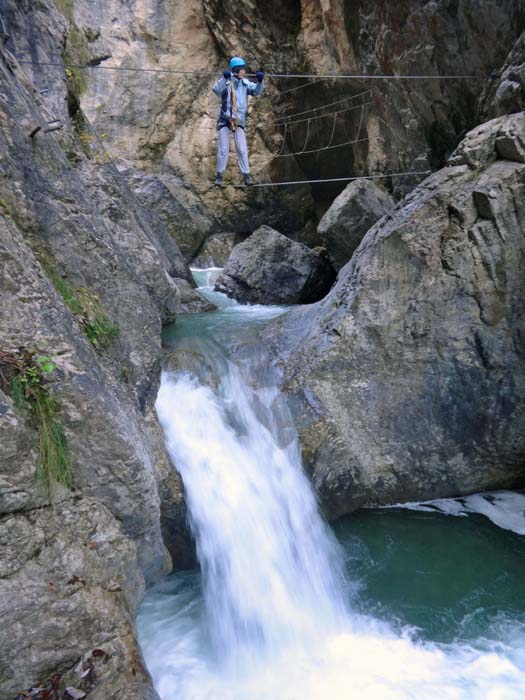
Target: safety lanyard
233	108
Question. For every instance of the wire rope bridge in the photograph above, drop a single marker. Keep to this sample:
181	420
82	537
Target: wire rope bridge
307	120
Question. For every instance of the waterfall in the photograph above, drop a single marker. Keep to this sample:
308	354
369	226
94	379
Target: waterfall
270	615
270	568
273	620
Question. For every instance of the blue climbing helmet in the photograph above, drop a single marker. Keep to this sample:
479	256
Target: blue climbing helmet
237	62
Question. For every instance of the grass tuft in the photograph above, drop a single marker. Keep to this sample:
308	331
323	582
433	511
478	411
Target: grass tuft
24	375
54	465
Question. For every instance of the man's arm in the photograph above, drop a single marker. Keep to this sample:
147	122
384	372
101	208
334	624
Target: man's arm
255	89
222	83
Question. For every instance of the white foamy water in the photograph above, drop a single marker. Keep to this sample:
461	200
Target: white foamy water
506	509
268	561
205	277
270	623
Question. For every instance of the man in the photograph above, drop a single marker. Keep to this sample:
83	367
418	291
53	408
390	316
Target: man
233	89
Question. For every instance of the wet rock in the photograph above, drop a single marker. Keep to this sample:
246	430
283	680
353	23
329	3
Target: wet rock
191	301
407	381
269	268
353	212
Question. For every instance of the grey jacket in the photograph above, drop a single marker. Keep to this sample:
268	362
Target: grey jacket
243	87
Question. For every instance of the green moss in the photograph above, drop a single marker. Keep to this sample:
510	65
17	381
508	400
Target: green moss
86	307
63	288
17	393
100	331
66	8
54	465
76	54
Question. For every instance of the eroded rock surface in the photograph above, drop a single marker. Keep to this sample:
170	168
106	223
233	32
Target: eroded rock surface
408	381
269	268
69	583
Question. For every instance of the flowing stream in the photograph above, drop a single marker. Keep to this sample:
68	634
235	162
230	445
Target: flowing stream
403	603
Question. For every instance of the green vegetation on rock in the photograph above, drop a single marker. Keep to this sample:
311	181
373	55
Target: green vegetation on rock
24	375
86	307
66	8
76	54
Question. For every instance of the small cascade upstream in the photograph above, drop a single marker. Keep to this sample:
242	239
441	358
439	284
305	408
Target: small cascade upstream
271	615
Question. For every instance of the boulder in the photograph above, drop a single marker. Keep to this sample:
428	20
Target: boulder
269	268
191	300
216	250
506	91
353	212
169	207
407	382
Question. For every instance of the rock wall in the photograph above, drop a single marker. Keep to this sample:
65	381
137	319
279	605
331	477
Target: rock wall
407	381
72	572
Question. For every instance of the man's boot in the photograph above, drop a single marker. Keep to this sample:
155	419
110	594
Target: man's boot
218	180
247	180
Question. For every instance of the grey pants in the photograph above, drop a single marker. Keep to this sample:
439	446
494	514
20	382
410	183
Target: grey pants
223	149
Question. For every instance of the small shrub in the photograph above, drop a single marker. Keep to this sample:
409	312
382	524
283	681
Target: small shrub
100	331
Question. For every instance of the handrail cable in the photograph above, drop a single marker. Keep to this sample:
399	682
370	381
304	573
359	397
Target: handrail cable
212	127
320	76
303	152
341	179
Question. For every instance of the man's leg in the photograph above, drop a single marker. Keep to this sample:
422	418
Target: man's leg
223	150
242	151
